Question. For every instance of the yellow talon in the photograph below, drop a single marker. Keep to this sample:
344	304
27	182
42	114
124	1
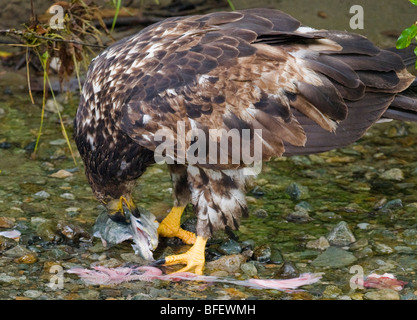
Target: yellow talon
170	227
193	258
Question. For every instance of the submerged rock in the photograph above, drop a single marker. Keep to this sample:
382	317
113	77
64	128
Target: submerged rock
383	294
297	192
230	247
230	264
341	235
287	271
334	257
319	244
394	174
299	216
262	253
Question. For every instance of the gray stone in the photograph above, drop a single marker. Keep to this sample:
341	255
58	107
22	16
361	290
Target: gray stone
334	257
249	269
318	244
230	264
383	294
16	252
230	247
297	192
341	235
394	174
262	253
42	195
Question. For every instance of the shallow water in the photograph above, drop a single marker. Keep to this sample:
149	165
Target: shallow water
356	184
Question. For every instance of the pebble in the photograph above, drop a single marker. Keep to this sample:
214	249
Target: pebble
260	213
363	225
318	244
249	269
287	271
299	216
47	231
68	196
360	244
394	174
33	294
17	252
72	231
58	142
391	205
297	192
61	174
334	257
6	243
229	247
331	292
341	235
383	294
42	195
230	264
262	253
276	256
382	248
6	222
27	258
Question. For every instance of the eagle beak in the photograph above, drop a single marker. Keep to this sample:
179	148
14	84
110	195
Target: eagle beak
119	210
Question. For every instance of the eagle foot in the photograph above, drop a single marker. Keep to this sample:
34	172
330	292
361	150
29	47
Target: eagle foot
170	227
194	258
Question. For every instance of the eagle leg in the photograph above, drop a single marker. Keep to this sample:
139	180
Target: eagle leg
193	258
170	226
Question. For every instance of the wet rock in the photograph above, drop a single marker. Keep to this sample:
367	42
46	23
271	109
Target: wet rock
230	247
6	243
297	192
299	216
364	253
334	257
287	271
230	264
68	196
410	236
249	269
260	213
42	195
319	244
383	294
331	292
382	248
276	256
341	235
47	231
303	205
33	294
72	231
131	257
262	253
27	258
363	225
17	252
391	205
360	244
6	222
53	106
394	174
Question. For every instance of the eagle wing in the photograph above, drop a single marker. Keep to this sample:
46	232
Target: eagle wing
252	69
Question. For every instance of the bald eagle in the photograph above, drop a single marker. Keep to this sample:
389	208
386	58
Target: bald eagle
259	75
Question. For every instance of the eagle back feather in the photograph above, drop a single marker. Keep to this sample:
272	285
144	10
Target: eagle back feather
252	69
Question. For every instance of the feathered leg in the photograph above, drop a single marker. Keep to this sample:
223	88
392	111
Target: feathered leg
171	225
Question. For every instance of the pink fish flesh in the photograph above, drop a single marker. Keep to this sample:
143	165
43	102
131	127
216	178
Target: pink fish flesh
387	280
106	276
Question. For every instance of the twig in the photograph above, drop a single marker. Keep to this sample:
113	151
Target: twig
21	33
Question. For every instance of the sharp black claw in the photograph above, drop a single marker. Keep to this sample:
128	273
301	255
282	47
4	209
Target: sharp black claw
158	262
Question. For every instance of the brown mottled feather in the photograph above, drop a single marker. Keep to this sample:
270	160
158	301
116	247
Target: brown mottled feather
307	90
